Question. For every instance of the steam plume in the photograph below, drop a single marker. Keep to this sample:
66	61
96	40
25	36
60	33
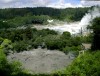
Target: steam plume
95	12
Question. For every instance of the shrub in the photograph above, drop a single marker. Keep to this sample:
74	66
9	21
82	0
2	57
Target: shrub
84	65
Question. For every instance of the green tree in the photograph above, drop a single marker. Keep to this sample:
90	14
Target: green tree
96	34
28	32
6	68
4	25
7	46
66	35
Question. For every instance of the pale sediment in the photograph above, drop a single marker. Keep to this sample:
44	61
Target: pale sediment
41	60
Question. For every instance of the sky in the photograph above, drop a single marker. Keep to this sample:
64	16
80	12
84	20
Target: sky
47	3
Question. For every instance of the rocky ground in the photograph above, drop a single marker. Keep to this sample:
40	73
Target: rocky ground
42	60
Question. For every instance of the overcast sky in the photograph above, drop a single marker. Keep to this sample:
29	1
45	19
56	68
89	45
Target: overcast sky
47	3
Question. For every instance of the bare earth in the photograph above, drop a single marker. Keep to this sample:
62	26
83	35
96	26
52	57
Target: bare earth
41	60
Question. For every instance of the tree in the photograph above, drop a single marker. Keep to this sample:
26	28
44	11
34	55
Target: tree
8	68
7	46
28	32
66	35
96	34
4	25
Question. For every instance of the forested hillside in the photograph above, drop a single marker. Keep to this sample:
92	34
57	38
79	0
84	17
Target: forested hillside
72	13
23	16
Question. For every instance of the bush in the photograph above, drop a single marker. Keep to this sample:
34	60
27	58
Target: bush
66	35
7	46
20	46
84	65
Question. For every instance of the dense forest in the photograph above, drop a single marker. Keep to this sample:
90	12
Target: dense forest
72	13
23	16
18	40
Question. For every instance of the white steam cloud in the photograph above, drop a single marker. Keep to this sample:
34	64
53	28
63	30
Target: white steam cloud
95	12
76	28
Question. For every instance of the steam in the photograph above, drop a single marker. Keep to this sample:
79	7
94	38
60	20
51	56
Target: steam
78	27
95	12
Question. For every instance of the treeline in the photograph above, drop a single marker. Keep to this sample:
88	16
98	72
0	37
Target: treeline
27	20
73	14
10	13
23	21
39	15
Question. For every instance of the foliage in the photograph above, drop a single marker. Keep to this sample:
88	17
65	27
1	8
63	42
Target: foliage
87	39
39	15
20	46
6	45
70	14
66	35
96	33
84	65
4	24
25	39
6	68
53	42
76	41
26	20
28	38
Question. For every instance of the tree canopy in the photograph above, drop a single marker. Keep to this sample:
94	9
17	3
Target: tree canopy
39	15
96	33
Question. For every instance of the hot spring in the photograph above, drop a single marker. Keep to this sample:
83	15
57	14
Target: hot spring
77	27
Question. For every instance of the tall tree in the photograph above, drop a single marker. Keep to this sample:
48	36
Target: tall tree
96	34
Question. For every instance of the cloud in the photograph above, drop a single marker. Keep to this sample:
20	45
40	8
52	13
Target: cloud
23	3
36	3
46	3
66	5
63	4
6	1
90	2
